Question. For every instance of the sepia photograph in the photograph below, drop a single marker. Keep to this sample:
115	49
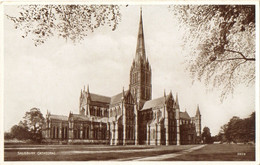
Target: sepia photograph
130	82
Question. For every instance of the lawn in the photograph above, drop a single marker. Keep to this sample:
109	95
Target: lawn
220	152
212	152
86	152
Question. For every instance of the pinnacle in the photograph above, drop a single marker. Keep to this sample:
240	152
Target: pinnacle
177	101
198	111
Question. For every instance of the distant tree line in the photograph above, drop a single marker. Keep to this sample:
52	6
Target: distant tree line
238	130
30	128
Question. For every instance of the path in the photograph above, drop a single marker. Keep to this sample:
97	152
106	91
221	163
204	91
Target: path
164	156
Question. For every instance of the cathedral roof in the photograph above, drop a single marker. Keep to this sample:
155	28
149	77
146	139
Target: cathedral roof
184	115
154	103
108	100
116	99
99	98
79	117
58	117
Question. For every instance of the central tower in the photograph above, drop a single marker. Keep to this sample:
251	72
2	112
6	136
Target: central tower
140	73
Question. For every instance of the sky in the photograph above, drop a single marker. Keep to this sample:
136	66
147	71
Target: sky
51	75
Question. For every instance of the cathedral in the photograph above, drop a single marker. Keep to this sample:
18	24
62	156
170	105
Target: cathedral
131	117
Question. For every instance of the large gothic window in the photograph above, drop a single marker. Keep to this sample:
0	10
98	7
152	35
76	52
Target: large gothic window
84	133
75	134
62	132
98	111
95	133
66	132
57	132
91	110
105	113
87	132
153	134
53	132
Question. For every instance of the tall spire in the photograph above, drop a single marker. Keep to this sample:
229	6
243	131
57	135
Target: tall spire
140	74
140	48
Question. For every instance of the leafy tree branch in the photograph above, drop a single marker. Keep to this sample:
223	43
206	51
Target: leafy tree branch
217	38
71	22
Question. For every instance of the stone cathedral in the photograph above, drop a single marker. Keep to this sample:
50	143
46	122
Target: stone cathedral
131	117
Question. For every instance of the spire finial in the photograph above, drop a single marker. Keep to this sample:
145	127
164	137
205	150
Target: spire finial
84	88
164	93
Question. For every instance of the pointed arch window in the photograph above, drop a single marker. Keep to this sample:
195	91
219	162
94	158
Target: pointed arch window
53	132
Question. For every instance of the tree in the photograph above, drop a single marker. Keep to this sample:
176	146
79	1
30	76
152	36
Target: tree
33	122
206	135
20	132
239	130
220	43
216	138
221	134
71	22
233	129
8	135
29	128
250	127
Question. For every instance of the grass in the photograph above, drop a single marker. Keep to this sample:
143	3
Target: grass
220	152
65	152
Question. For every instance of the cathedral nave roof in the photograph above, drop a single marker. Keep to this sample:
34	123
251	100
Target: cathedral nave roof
58	117
99	98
